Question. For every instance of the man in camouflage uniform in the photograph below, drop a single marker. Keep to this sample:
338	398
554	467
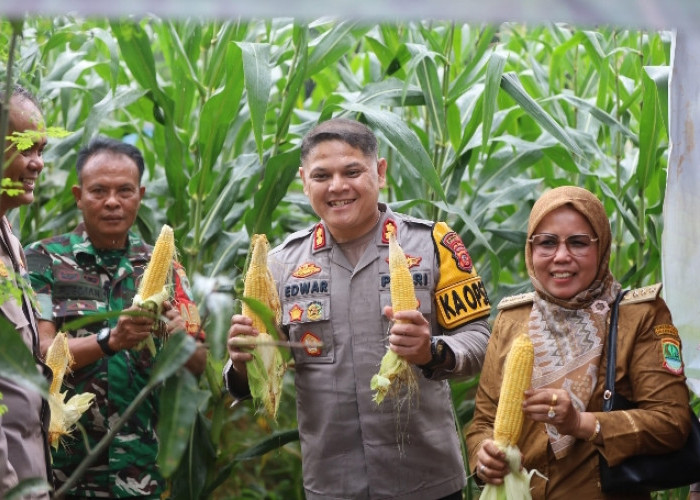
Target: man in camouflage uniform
97	268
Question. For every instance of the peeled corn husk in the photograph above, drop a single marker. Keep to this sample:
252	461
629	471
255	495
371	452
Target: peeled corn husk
64	414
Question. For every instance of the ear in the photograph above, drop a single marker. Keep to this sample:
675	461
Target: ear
302	174
142	191
77	194
381	171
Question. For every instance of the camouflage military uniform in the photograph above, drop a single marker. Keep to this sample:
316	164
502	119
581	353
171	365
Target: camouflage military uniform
71	279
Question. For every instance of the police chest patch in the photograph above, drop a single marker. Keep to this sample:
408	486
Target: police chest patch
305	270
462	302
295	313
313	344
671	351
306	288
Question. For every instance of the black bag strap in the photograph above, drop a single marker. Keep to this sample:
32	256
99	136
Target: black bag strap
609	393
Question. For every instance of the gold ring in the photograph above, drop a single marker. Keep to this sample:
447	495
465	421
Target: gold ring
554	399
551	413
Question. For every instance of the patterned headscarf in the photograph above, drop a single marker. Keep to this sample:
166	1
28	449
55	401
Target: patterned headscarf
568	334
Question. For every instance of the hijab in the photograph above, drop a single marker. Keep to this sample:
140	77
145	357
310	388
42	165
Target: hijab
568	334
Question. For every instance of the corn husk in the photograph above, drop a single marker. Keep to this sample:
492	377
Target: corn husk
64	414
266	370
516	484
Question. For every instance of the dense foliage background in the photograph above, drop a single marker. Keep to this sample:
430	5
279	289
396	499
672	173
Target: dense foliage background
475	121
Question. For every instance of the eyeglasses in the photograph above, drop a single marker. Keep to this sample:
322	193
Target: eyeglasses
546	245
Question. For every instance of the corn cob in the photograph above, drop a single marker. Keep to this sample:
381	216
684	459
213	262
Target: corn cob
64	414
516	380
267	368
508	423
395	373
152	291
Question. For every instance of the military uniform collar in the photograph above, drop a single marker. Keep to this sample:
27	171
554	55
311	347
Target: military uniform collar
137	250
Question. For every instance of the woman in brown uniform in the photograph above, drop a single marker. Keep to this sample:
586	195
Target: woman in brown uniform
567	255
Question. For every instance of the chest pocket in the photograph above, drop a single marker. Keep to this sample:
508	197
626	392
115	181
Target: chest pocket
75	293
308	321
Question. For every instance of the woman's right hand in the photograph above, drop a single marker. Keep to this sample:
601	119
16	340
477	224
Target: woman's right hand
491	465
239	353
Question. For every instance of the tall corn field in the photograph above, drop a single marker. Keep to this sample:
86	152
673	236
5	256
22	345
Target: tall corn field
474	120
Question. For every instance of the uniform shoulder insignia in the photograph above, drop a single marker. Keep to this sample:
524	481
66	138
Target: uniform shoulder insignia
516	300
297	235
415	220
643	294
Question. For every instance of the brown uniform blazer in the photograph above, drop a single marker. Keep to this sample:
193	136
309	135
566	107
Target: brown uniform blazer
645	374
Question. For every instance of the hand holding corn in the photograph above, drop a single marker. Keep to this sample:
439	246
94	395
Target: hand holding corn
131	330
517	374
153	291
409	336
267	367
396	377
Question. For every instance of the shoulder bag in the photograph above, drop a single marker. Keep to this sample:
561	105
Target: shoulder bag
645	473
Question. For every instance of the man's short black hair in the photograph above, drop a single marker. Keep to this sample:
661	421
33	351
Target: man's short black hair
351	132
22	92
100	144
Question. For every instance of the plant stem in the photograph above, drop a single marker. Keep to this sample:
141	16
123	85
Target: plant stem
5	106
104	442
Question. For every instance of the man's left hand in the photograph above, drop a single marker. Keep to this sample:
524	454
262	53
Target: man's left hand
410	336
175	322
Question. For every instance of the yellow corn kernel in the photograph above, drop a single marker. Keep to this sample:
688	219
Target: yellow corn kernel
259	284
156	274
396	378
403	296
517	375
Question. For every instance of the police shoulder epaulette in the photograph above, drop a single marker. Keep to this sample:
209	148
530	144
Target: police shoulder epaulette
415	220
516	300
297	235
643	294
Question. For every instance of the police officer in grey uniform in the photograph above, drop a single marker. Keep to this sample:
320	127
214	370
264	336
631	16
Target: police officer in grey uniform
333	281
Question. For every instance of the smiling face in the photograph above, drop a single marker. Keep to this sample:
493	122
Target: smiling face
109	196
24	166
562	274
343	185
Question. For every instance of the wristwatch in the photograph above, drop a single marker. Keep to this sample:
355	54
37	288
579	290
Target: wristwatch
438	351
103	341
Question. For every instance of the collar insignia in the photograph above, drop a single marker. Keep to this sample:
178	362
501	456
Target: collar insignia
389	227
319	236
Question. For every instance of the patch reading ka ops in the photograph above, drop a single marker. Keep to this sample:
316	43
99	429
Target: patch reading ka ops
460	294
